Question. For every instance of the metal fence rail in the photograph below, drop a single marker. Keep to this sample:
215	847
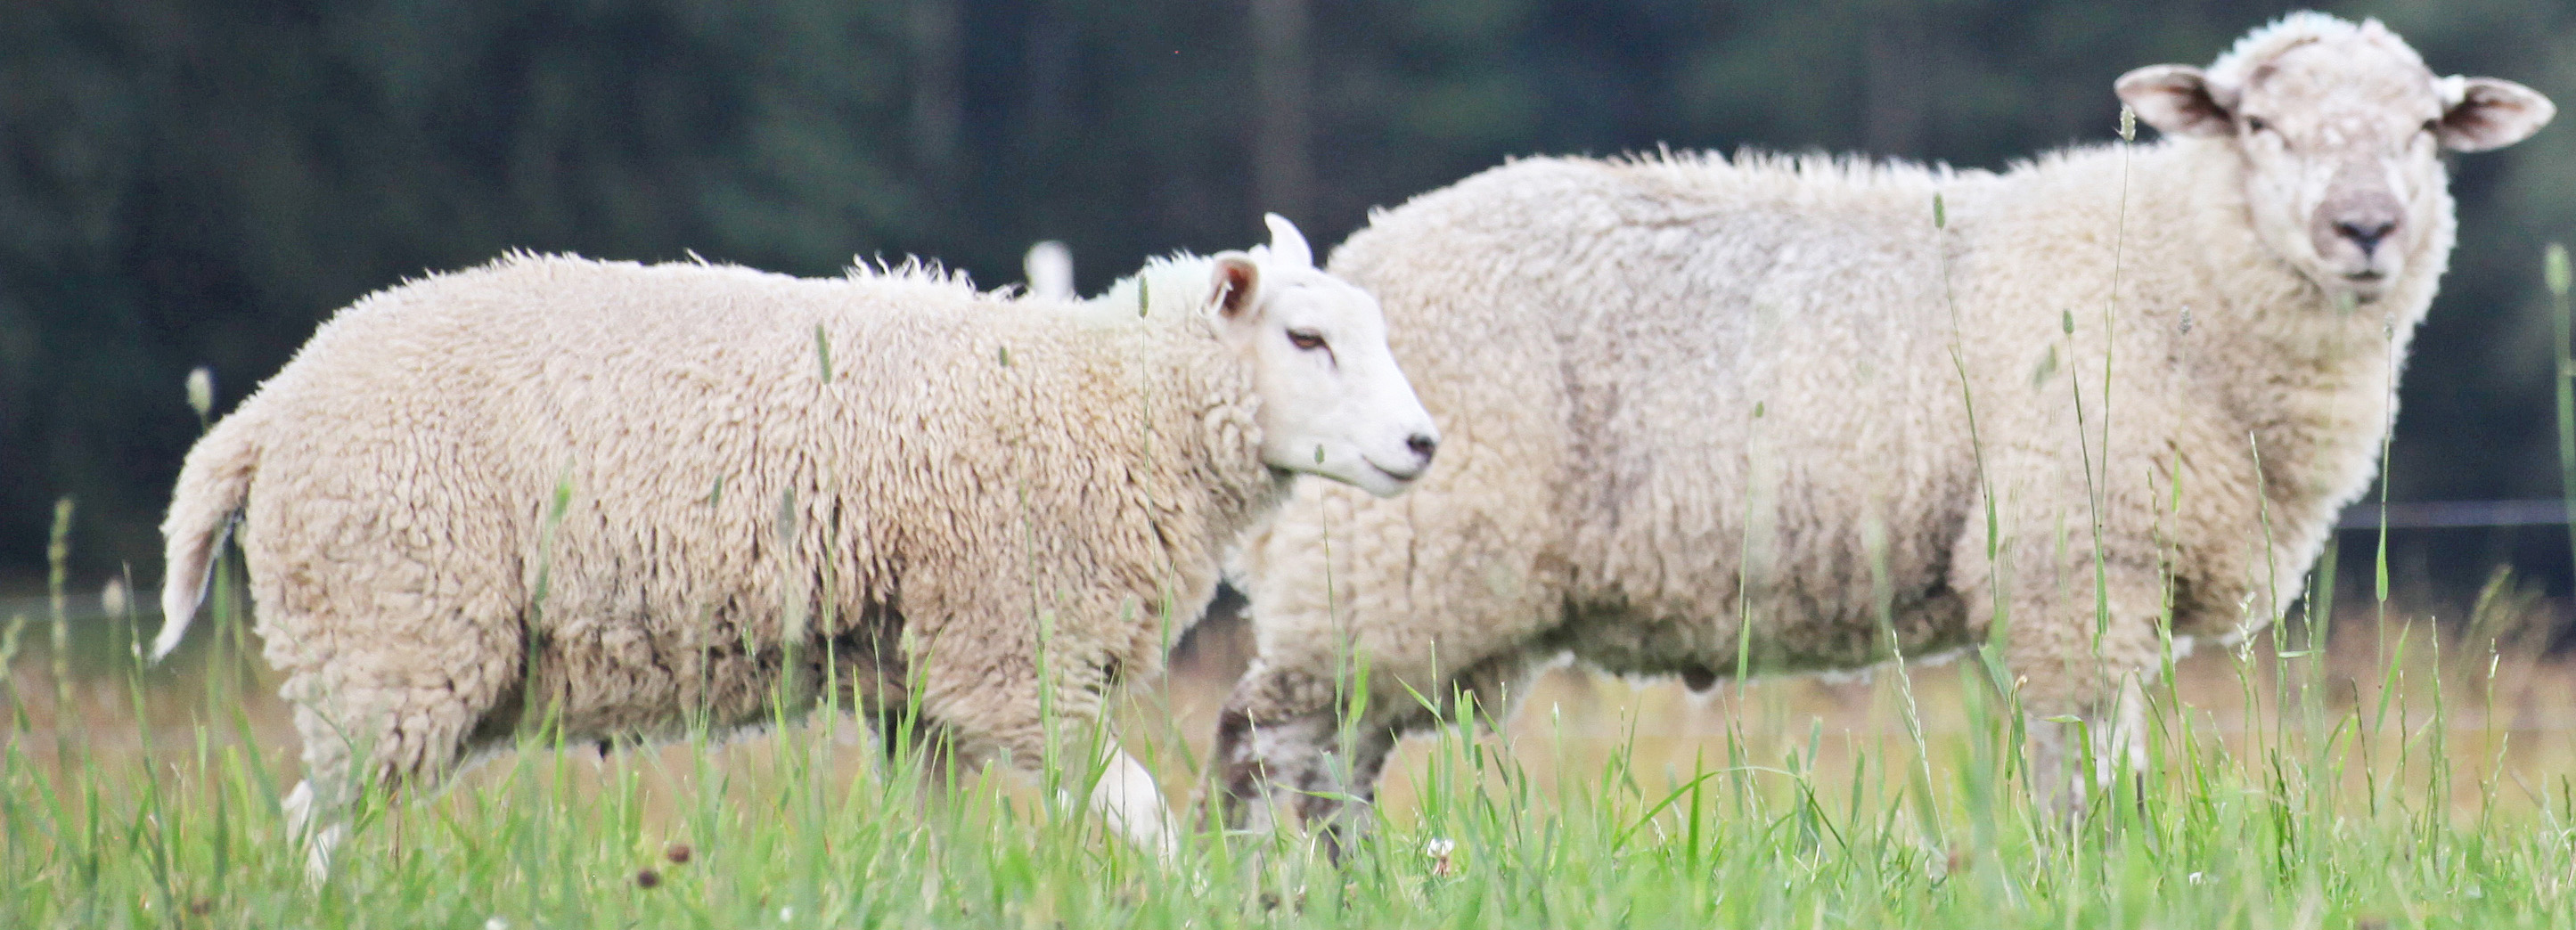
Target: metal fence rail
2427	515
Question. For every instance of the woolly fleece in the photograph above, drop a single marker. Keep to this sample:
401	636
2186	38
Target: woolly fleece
625	496
1707	413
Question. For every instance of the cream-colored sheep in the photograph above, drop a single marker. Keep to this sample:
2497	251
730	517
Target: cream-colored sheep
1706	413
620	498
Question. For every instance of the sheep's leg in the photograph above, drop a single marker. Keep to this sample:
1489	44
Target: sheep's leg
2115	733
1300	766
318	810
409	739
984	721
2071	665
1343	802
318	841
1485	695
1128	800
1396	597
1321	772
1257	759
1124	795
1274	739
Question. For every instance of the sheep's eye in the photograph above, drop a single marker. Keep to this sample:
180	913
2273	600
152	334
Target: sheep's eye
2256	124
2433	126
1306	339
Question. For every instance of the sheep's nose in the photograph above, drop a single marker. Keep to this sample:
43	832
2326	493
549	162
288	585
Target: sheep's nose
2365	233
1423	445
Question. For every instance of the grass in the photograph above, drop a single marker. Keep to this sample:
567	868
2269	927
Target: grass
2382	783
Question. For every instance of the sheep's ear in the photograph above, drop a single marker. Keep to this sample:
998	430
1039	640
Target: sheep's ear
2489	113
2176	99
1236	287
1287	245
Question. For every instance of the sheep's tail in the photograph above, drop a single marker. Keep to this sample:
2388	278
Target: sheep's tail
212	486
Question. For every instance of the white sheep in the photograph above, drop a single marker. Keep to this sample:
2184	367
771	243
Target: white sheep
619	498
1708	414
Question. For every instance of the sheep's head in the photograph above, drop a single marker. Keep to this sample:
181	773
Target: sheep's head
2341	129
1333	402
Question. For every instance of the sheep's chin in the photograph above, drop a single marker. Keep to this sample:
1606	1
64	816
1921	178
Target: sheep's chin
1378	482
2342	285
2346	291
1366	477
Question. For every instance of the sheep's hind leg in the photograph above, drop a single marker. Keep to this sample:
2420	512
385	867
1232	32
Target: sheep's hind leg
408	739
317	842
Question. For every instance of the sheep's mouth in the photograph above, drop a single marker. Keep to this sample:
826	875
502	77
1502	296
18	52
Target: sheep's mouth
1400	477
2366	286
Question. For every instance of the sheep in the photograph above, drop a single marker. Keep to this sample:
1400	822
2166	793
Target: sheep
1712	416
623	499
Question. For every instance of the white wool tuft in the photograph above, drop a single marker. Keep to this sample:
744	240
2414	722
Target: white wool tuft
2295	29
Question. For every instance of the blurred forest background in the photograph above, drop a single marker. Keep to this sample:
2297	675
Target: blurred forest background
199	182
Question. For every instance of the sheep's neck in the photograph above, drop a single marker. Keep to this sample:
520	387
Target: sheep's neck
1205	438
2326	396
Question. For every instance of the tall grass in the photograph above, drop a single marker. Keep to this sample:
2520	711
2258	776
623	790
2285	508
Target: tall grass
2432	790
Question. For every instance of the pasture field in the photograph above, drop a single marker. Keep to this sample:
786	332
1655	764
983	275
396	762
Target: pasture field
2409	770
2400	779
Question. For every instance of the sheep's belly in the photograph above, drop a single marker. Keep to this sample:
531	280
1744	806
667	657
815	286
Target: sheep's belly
1786	638
601	681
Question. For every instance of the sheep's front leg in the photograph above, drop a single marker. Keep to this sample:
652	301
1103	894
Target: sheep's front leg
2084	671
1127	799
1276	760
988	717
2115	732
1258	759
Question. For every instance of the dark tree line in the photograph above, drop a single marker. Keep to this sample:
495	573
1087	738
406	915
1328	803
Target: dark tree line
198	182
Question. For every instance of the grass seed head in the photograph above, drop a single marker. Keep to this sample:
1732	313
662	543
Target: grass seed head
201	391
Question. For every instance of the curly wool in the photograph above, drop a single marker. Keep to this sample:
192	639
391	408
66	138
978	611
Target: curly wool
1688	394
622	497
